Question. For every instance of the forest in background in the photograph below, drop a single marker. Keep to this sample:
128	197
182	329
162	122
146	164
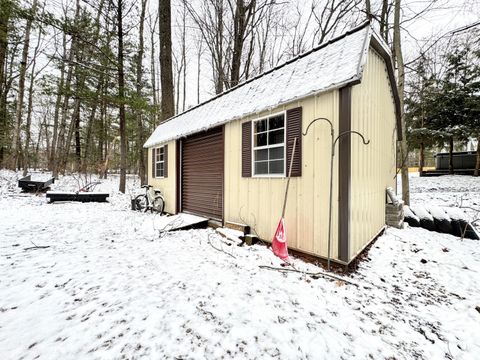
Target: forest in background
84	82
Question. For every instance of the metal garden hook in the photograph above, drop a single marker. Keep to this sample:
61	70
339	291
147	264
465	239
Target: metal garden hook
333	143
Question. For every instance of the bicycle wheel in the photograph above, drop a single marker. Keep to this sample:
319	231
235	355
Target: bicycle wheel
141	203
158	204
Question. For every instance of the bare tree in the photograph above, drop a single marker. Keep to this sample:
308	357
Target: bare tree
210	21
167	102
330	15
398	57
152	26
33	75
16	144
5	13
121	98
140	127
200	50
243	13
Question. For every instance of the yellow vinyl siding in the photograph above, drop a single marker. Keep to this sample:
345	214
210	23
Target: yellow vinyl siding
258	201
166	185
373	166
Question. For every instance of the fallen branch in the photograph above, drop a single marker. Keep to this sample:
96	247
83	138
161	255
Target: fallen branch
218	249
319	274
36	247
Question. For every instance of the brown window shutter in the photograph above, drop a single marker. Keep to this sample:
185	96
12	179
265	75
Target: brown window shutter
247	149
165	161
153	162
294	130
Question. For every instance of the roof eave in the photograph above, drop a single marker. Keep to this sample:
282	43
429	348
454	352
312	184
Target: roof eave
350	82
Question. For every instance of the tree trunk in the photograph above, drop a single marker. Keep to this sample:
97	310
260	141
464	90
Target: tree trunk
477	166
21	91
368	10
450	155
26	153
26	148
62	146
78	145
168	106
87	153
384	21
153	74
4	28
398	56
220	79
58	103
184	56
422	158
238	38
199	55
140	127
121	99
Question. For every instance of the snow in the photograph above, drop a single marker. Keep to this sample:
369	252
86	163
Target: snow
456	213
421	212
438	213
409	213
108	287
322	69
230	234
447	191
182	220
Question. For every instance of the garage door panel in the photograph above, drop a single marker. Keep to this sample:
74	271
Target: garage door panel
202	174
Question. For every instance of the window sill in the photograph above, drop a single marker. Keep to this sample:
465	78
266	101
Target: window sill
269	176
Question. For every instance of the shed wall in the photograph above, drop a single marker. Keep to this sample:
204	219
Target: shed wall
258	201
373	166
166	185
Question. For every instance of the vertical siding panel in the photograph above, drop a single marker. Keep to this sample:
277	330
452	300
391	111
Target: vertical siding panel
166	185
261	199
373	166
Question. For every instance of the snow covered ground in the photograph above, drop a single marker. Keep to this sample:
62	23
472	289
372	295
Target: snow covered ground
108	287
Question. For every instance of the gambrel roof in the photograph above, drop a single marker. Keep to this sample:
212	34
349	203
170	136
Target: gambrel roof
332	65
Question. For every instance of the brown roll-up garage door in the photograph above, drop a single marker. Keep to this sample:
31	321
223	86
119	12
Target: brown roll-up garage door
202	174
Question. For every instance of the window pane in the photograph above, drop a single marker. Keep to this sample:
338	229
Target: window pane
261	168
276	167
261	154
275	137
276	153
275	122
161	150
159	169
261	139
261	126
161	157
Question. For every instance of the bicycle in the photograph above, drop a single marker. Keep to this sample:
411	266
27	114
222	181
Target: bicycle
149	201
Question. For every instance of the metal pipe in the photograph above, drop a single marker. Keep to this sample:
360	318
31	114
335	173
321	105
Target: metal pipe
332	149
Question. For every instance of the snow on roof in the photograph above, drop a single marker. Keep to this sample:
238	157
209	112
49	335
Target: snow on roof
324	68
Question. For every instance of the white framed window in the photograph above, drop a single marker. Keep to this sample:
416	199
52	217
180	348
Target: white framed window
159	162
268	146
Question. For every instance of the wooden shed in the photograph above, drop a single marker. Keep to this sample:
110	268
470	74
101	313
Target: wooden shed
227	158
